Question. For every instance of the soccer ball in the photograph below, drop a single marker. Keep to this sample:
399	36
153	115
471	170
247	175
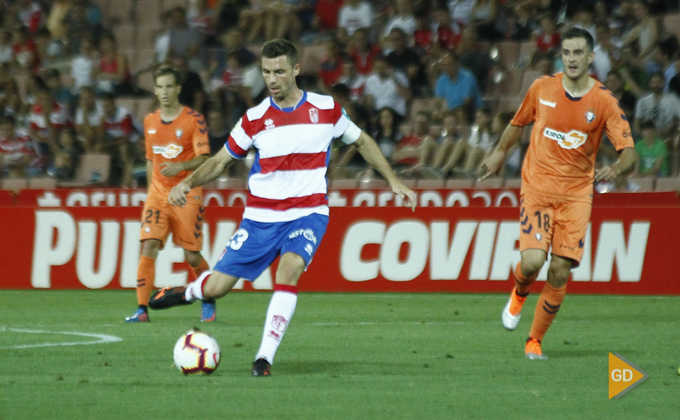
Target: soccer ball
197	353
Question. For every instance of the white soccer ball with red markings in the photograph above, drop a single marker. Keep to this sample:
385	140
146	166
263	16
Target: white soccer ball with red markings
197	353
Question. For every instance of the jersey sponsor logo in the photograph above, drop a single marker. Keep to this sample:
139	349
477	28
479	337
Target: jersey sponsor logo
268	124
546	103
179	132
307	233
314	115
168	152
590	116
570	140
151	131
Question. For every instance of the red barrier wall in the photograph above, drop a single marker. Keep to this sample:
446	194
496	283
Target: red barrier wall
462	241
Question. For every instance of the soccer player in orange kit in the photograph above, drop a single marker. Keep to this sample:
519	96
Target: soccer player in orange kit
176	144
571	111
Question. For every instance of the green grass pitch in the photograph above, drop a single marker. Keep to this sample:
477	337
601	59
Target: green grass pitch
345	356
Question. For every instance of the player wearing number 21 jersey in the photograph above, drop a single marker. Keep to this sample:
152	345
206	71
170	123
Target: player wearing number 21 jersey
287	210
571	112
176	143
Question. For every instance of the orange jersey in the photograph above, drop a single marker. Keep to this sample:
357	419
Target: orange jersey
181	140
566	136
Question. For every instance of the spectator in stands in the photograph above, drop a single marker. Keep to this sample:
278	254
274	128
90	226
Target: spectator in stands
48	50
632	69
199	17
363	51
120	132
606	51
652	152
646	31
218	130
461	10
192	93
448	32
386	87
416	150
351	78
18	157
161	44
83	65
626	97
46	119
662	108
548	39
65	156
332	66
326	14
30	15
57	19
6	53
407	61
80	28
584	18
457	87
113	72
674	83
60	93
483	17
226	14
25	54
663	59
450	135
185	41
286	19
542	62
472	151
88	121
241	86
355	14
402	18
423	36
475	58
387	135
10	99
252	20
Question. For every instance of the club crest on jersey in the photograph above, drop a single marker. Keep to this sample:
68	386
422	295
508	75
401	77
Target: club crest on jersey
179	133
168	152
268	124
314	115
570	140
590	116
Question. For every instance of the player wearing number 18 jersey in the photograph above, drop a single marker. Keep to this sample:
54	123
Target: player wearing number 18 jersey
176	144
287	210
571	111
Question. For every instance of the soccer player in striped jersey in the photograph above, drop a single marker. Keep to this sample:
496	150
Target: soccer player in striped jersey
287	210
570	111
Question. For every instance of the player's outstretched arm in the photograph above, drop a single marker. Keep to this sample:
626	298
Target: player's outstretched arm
371	153
494	162
626	161
211	169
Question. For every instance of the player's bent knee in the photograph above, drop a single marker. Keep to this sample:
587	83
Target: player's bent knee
150	248
290	269
193	258
532	262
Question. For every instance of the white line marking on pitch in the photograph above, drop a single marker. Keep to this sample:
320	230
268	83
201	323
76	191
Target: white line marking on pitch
100	338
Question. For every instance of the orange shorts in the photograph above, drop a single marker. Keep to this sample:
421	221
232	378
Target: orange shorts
159	219
547	221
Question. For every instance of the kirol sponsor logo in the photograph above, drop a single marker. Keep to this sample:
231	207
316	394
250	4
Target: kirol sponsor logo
169	152
570	140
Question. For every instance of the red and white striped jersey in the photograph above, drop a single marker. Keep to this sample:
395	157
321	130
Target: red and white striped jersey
121	124
59	118
15	149
288	178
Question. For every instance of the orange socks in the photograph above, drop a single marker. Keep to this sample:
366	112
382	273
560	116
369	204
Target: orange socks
196	271
523	283
146	274
546	310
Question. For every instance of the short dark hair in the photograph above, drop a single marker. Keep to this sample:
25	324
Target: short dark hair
573	33
278	47
341	90
647	125
166	71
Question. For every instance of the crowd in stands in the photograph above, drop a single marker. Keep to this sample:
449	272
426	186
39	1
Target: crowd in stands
435	82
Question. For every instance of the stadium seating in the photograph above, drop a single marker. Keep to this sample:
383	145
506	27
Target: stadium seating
14	184
43	183
668	184
93	169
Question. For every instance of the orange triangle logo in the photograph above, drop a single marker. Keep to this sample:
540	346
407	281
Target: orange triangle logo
623	376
